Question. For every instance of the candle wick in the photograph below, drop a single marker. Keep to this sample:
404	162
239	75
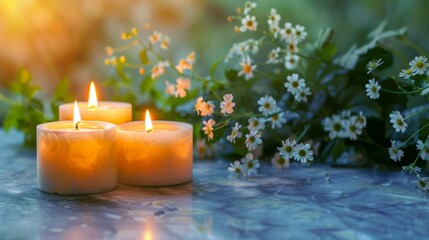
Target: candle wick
149	131
77	125
92	107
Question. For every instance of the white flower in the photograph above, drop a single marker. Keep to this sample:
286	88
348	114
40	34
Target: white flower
159	69
287	149
351	128
170	89
249	6
291	61
253	139
267	105
256	124
294	83
208	128
419	65
155	37
248	23
361	121
300	33
280	162
183	84
226	106
395	153
274	18
207	108
235	133
251	164
203	150
303	153
164	42
406	73
372	89
277	120
273	56
275	30
333	126
373	64
302	94
247	68
425	152
398	121
236	167
288	32
292	47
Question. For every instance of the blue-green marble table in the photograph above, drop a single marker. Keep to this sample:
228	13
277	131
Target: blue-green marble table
298	203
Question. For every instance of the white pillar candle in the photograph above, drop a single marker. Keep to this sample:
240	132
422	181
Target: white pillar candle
113	112
76	161
162	156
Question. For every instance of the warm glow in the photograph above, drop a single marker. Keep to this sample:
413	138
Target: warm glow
148	122
92	100
76	117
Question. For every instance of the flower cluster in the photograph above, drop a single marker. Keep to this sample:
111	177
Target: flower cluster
247	166
344	125
297	87
300	152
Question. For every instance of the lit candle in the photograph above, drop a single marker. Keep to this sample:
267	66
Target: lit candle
154	153
76	157
113	112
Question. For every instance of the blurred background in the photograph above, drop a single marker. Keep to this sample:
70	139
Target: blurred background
57	39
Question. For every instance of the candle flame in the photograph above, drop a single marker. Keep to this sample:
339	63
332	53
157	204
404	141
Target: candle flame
76	116
92	100
148	122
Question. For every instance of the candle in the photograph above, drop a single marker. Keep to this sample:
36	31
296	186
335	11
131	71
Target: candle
75	157
154	153
113	112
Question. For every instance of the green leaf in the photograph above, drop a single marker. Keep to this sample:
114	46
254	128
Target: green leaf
328	51
144	58
61	89
24	76
147	84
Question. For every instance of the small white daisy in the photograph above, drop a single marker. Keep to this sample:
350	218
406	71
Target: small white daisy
248	23
294	83
275	30
256	124
235	133
361	121
249	6
227	105
333	126
267	105
251	164
351	129
208	128
303	153
247	68
155	37
373	89
280	162
419	65
395	153
373	64
425	152
406	73
277	120
288	32
301	95
236	167
291	61
273	56
287	149
274	18
300	33
398	121
253	139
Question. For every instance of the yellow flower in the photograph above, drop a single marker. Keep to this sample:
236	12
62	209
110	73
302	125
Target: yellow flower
164	43
122	59
141	71
230	19
107	61
134	31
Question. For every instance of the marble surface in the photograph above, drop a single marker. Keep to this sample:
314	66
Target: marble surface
298	203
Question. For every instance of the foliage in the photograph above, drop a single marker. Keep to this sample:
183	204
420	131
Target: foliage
26	109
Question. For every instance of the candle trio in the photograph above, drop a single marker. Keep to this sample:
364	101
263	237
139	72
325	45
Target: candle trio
95	145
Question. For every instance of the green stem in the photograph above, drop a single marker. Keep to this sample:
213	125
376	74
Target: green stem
412	45
412	136
418	112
